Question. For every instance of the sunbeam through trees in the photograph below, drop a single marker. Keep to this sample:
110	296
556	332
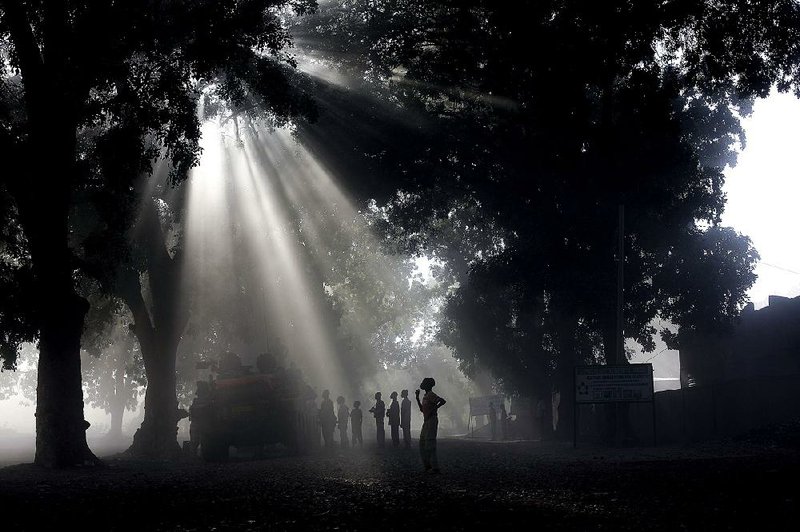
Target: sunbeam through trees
222	217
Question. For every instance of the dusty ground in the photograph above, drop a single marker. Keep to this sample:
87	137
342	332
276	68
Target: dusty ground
742	485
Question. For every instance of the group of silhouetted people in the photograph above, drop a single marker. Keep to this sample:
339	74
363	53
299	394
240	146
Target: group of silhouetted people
399	415
329	421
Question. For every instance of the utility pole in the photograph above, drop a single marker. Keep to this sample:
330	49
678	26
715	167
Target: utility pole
620	409
620	352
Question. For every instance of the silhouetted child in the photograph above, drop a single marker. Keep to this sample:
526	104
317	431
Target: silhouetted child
379	411
394	419
356	417
429	406
405	418
343	417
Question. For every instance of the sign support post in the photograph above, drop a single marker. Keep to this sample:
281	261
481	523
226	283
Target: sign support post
575	412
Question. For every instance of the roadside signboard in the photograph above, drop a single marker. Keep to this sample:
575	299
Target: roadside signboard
625	383
479	406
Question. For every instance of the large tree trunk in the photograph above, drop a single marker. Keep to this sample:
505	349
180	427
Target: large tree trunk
565	379
156	438
121	392
60	424
42	194
159	333
117	415
43	173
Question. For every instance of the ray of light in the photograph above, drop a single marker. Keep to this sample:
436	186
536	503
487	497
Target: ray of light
265	209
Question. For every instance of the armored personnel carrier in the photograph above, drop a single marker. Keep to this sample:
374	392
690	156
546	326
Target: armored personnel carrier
236	406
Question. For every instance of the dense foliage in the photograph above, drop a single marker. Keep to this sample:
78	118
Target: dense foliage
548	117
105	87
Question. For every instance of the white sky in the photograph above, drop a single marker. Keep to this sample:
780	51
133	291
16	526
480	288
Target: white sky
764	195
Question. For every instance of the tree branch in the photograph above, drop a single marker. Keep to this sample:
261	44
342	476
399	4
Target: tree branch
54	45
24	42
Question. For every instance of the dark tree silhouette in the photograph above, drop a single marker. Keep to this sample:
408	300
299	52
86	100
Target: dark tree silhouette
550	115
132	69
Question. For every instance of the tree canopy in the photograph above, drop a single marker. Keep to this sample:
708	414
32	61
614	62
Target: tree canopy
105	87
549	115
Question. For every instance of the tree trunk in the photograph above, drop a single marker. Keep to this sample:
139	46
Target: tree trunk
566	382
546	425
156	438
117	415
159	333
120	398
42	170
60	424
44	215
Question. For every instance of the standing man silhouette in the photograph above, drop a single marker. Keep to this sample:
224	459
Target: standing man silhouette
327	419
379	411
343	418
429	406
405	418
355	419
394	419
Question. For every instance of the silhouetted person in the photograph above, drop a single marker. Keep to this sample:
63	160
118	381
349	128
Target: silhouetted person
394	419
312	417
493	420
203	397
327	419
503	421
429	406
343	417
405	418
379	411
356	416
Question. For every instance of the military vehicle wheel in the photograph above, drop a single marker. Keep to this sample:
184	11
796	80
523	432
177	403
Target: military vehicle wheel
213	448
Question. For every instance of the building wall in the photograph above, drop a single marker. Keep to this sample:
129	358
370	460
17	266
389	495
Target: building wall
726	409
763	343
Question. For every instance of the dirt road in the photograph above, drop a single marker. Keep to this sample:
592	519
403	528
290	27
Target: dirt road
483	485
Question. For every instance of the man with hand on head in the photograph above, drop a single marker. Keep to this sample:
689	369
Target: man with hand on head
429	406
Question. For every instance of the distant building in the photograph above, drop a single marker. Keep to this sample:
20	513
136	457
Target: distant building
763	343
